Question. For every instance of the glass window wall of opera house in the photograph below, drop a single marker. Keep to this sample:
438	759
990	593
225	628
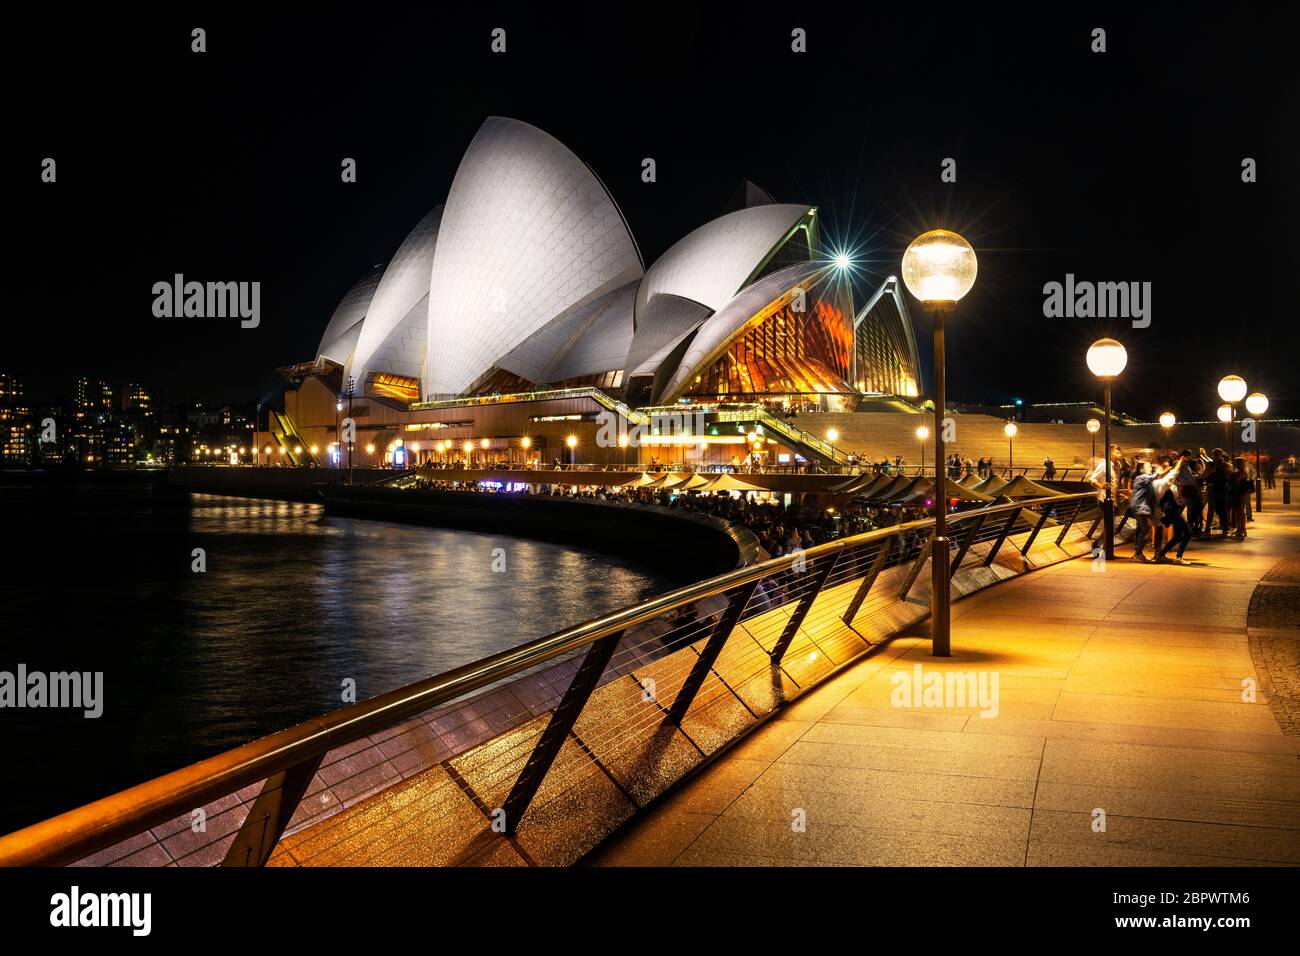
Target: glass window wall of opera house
518	316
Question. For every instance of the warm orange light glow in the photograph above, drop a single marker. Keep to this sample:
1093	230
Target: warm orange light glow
1107	358
1232	388
939	266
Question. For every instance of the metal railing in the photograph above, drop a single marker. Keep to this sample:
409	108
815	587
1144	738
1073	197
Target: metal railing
737	635
1037	473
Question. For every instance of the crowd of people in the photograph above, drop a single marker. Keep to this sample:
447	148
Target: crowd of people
780	528
1174	499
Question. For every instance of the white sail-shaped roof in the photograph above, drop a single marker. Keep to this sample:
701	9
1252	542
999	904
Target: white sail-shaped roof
717	331
590	339
713	263
345	324
387	342
703	272
529	234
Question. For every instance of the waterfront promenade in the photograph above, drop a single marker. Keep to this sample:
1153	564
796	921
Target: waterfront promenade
1120	705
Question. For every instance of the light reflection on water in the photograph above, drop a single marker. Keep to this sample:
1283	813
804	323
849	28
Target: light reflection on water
292	603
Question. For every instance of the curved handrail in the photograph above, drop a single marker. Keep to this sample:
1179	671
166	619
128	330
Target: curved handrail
102	823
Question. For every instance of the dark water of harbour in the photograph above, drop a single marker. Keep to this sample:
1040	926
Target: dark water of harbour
292	603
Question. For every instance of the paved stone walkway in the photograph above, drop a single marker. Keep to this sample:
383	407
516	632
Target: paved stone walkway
1125	734
1273	622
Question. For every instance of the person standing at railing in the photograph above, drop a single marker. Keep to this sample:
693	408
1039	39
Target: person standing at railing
1049	469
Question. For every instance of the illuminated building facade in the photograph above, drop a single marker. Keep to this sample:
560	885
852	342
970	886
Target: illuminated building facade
528	279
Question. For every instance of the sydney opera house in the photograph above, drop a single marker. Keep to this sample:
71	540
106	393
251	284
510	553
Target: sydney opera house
518	311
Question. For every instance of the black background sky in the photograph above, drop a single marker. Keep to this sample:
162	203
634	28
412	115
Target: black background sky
1122	166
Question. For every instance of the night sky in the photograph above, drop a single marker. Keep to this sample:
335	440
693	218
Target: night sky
1122	166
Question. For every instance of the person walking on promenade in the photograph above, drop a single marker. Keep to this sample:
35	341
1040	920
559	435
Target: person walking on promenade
1142	505
1171	515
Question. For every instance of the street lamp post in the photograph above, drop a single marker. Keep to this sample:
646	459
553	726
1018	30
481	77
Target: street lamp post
1106	359
1232	389
832	436
572	442
1167	423
352	426
1257	405
922	433
1094	426
939	267
1009	429
1225	415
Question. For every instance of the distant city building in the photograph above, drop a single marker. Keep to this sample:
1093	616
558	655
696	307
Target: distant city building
135	397
93	397
17	439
